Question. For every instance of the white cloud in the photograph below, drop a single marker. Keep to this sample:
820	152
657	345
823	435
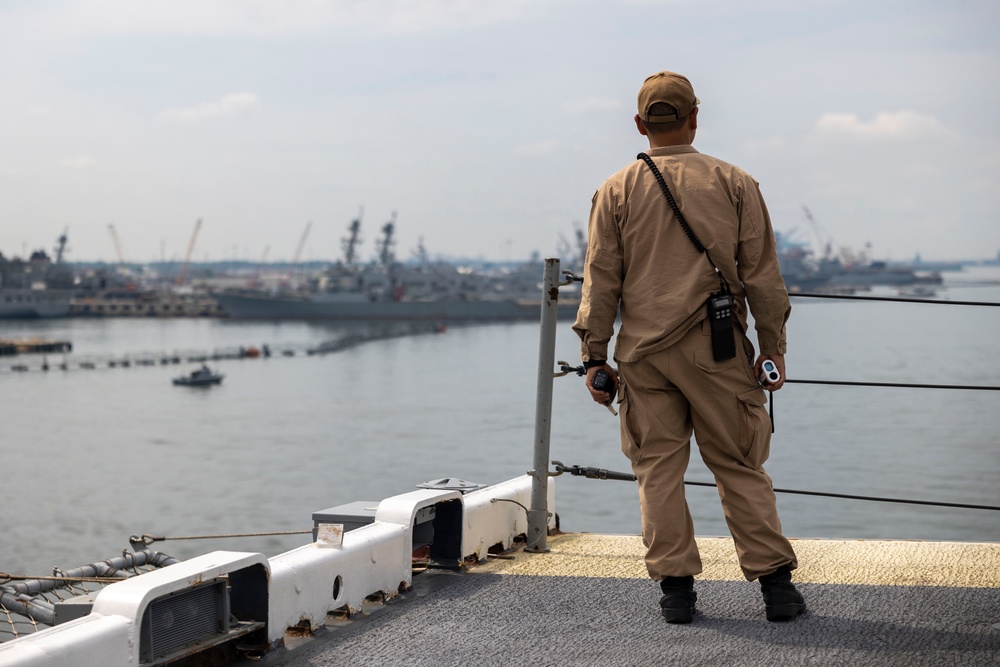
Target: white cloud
77	162
546	147
227	105
885	125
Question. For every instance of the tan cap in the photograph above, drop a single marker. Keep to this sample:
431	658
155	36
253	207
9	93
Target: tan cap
669	87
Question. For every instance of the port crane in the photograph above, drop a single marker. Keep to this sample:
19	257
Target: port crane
823	238
190	250
302	244
118	246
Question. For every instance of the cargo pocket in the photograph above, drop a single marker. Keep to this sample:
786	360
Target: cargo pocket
630	440
705	360
755	428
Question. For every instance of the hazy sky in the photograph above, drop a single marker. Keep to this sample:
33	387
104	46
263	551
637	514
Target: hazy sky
485	125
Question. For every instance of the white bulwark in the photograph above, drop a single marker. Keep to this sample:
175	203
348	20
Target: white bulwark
202	604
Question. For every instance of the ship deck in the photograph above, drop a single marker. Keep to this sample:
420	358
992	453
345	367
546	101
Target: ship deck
588	601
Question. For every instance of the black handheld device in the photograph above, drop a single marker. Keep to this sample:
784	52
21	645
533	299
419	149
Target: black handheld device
603	382
720	315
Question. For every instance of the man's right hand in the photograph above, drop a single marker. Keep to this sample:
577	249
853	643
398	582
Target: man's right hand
602	397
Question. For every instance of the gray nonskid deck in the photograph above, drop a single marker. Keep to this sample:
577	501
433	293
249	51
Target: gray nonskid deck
489	619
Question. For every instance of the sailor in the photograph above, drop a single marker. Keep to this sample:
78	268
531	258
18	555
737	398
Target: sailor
676	373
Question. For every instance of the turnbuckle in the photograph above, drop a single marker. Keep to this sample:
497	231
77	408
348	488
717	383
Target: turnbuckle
591	473
566	369
571	278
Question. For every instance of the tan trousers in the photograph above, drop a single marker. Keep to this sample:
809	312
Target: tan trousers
663	396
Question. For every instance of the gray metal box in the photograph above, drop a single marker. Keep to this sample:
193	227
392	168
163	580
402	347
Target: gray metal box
352	515
73	608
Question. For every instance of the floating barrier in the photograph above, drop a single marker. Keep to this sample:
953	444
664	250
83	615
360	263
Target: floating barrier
264	351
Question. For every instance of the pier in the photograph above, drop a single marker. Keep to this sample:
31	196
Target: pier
9	348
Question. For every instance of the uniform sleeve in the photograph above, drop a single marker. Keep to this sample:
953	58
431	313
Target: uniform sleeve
759	271
602	277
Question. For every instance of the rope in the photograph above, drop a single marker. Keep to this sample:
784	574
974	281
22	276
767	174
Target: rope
148	539
893	298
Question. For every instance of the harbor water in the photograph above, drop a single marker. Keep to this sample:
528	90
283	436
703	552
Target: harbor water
90	457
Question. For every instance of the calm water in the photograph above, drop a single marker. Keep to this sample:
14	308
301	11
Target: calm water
91	457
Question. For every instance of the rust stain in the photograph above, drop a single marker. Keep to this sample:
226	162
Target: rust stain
302	629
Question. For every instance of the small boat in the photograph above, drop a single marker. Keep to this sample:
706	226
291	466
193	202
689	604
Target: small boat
202	377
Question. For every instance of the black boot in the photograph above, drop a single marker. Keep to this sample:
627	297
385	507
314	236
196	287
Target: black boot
781	601
677	603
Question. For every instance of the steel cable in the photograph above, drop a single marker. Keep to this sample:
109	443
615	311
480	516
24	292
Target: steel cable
601	473
900	299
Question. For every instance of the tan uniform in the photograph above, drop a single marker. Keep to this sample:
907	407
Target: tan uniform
640	261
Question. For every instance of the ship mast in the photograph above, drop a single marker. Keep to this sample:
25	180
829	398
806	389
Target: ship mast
350	243
61	247
386	255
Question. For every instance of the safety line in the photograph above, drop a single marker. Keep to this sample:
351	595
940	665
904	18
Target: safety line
601	473
932	503
148	539
894	384
896	299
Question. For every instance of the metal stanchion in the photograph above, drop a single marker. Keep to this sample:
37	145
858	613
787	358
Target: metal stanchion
538	514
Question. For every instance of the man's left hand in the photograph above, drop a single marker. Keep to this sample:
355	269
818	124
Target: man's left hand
779	362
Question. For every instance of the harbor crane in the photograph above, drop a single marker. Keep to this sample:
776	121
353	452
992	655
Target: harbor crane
118	246
824	239
190	250
255	279
302	244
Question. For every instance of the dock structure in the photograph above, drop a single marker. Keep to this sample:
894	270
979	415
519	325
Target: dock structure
146	304
34	346
589	601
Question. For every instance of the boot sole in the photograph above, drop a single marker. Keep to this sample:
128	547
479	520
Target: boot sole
784	612
681	615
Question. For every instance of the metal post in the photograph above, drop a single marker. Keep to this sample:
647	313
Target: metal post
538	515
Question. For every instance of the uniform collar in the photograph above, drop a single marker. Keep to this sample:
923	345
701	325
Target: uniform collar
671	150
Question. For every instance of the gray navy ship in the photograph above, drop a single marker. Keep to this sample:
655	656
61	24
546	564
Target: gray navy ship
390	290
38	287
